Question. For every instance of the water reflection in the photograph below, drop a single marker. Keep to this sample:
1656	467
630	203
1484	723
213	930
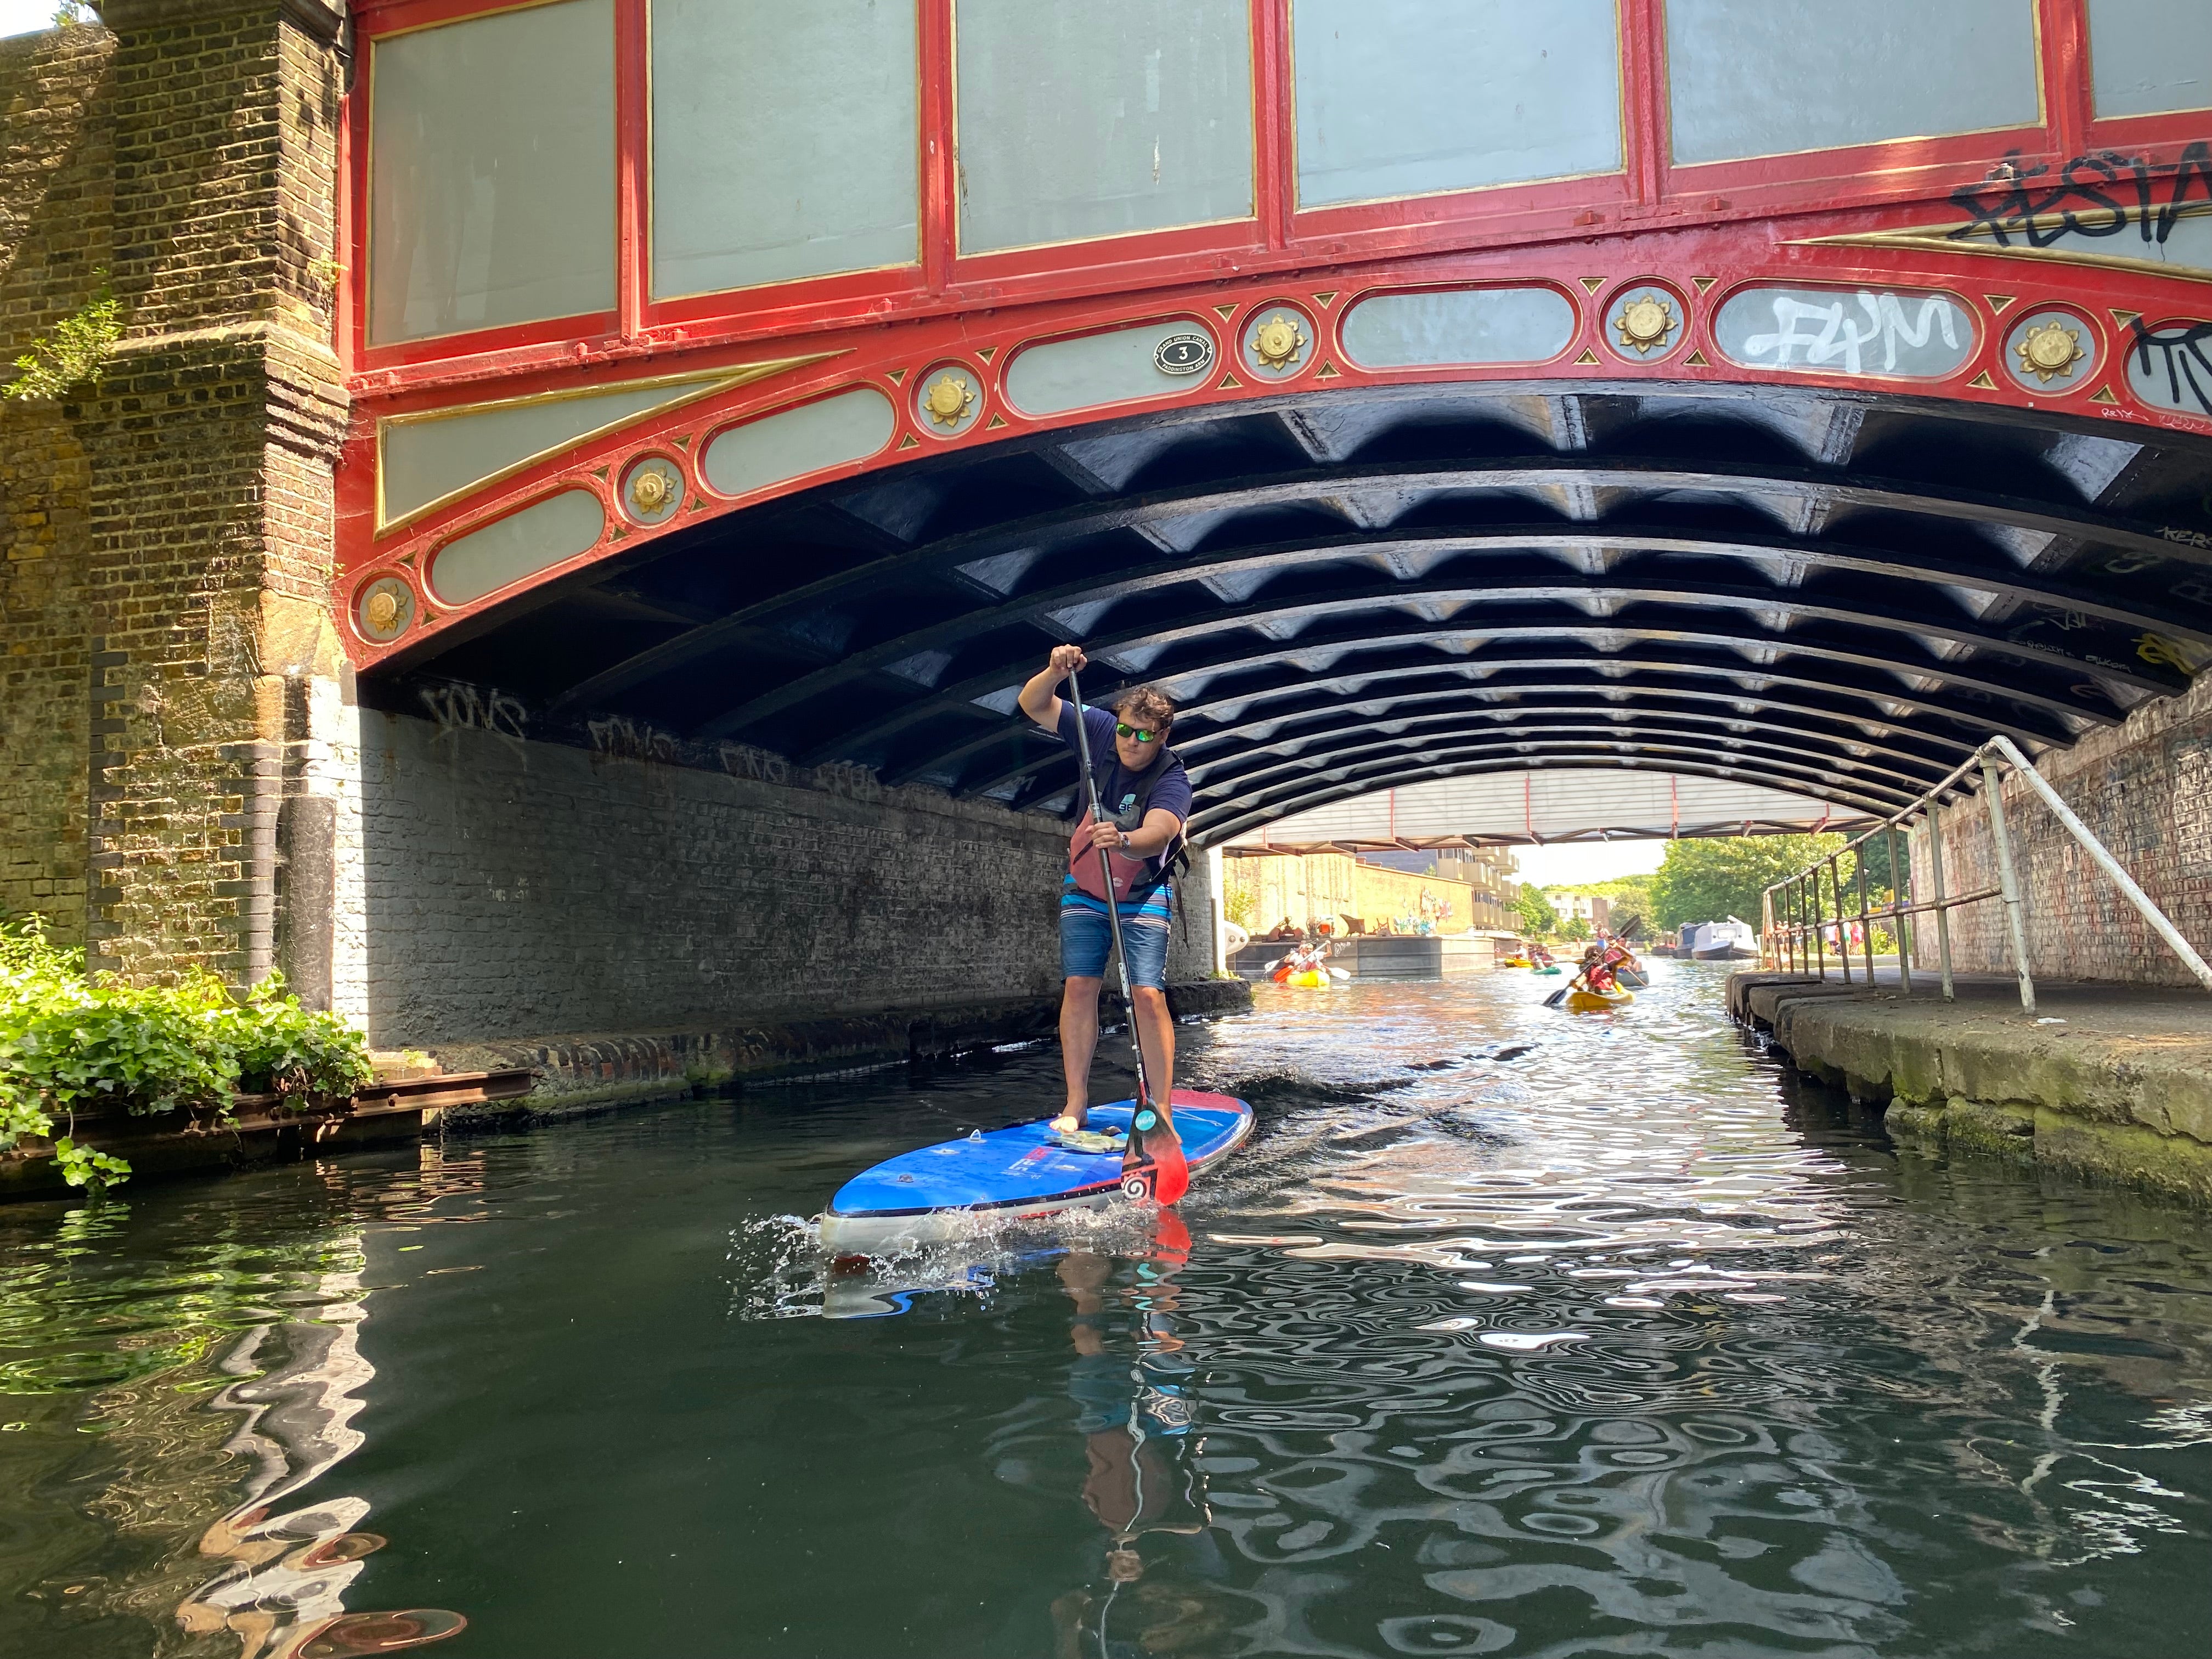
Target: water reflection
1131	1382
280	1587
1509	1334
266	1575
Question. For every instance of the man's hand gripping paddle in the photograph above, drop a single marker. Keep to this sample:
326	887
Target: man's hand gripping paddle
1149	1170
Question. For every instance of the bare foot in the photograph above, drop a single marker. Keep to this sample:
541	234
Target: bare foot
1069	1120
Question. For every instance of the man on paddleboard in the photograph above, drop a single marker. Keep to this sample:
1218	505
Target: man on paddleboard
1145	794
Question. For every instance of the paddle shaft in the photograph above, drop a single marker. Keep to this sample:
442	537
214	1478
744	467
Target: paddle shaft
1113	909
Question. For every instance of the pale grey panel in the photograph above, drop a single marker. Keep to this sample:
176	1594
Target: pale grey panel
1768	77
2150	56
426	460
849	426
1096	368
784	140
1459	325
1408	97
492	172
2170	368
521	545
1906	334
1079	118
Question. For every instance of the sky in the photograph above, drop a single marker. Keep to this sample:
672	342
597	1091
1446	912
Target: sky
21	16
1583	861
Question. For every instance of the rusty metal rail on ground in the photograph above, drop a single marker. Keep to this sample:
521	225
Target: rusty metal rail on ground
1794	914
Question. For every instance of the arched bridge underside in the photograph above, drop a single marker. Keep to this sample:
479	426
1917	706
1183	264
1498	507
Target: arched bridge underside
1837	593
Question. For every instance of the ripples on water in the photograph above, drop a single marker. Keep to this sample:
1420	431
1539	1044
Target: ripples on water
1511	1332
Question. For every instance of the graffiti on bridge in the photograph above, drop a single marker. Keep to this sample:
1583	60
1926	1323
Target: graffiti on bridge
455	709
2098	196
2171	366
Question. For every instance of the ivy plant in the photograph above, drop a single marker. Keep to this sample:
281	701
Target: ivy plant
71	1041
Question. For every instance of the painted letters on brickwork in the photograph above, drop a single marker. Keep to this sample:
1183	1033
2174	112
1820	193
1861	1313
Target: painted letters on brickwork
456	708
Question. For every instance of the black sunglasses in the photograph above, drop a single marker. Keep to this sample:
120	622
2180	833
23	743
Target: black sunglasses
1123	729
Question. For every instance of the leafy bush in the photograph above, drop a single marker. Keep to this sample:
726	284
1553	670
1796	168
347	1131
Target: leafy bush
69	1042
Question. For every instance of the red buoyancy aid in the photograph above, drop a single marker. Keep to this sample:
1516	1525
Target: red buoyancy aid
1083	865
1135	878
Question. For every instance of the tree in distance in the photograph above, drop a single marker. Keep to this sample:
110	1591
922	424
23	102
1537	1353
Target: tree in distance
1712	880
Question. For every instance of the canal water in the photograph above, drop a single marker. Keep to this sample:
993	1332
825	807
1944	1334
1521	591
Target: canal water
1512	1332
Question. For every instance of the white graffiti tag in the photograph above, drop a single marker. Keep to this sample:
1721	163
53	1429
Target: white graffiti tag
1827	335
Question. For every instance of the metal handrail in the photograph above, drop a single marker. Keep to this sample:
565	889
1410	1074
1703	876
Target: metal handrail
1787	938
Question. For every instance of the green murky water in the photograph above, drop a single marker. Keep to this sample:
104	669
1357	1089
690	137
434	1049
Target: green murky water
1615	1346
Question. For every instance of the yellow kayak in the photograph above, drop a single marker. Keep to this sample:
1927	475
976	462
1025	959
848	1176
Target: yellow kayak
1312	980
1591	1002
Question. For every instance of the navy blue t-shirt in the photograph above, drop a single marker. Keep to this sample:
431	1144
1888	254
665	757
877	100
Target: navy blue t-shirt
1117	787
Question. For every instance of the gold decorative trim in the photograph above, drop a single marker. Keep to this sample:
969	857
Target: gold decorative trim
1703	284
2103	395
1328	299
910	441
1938	238
995	422
987	352
1982	382
1591	283
2050	351
1229	382
1588	360
1999	302
1697	360
896	377
701	384
1224	312
2126	319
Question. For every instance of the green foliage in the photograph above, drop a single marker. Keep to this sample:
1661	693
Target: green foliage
73	353
70	1042
1575	927
1239	905
83	1166
1712	880
1537	918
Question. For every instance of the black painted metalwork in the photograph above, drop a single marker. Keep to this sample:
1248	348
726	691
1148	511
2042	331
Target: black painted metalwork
1835	594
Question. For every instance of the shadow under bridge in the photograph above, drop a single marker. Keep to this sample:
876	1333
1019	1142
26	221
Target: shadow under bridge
1831	594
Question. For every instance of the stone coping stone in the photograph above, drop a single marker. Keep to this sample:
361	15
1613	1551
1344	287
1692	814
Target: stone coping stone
2109	1082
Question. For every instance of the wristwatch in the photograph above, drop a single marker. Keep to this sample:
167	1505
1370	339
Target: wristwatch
1125	839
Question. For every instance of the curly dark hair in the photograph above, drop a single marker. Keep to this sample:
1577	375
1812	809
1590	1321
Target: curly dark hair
1146	706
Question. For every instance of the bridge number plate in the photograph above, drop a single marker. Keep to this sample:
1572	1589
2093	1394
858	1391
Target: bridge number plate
1183	354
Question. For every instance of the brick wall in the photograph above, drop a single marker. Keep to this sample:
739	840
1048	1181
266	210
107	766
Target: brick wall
2144	788
56	160
174	627
516	888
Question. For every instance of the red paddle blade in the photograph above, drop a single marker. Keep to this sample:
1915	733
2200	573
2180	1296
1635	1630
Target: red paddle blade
1171	1240
1172	1177
1157	1173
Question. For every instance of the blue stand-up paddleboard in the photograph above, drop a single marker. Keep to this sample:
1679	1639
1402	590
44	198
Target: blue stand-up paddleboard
1019	1173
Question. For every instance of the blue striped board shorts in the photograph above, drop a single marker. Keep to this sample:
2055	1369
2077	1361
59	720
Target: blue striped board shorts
1087	940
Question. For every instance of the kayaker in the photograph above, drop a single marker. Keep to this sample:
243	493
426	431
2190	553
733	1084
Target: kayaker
1144	788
